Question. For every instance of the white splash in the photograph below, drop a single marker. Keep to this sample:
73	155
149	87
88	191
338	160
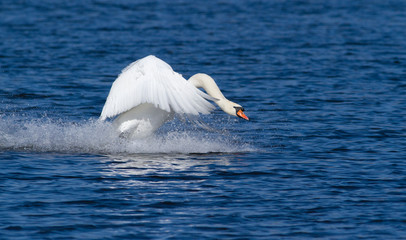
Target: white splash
93	136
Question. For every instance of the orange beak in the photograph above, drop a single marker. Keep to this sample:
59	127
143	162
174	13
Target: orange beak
241	114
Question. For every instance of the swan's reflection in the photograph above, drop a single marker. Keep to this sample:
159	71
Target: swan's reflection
164	164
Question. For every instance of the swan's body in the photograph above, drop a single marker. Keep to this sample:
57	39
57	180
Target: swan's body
148	93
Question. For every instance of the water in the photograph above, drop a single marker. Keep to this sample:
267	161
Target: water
323	83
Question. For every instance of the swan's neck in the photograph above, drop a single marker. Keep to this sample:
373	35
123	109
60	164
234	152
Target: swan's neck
204	81
201	80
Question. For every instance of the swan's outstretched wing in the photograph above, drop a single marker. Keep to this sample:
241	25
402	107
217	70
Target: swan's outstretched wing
151	80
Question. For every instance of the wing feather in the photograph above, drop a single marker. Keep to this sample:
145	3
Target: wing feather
151	80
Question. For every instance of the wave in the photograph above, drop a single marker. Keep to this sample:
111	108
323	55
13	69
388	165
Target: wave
96	137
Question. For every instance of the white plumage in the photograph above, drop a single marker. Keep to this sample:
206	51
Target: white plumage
148	92
151	80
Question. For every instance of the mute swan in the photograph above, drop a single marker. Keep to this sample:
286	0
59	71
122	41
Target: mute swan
148	92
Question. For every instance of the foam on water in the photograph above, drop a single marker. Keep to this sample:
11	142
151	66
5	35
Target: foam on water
93	136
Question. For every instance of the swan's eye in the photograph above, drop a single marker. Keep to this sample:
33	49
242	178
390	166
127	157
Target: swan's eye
239	108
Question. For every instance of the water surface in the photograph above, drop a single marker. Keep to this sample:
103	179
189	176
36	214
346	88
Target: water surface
322	157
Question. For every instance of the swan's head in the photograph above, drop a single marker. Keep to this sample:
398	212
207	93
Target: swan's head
232	108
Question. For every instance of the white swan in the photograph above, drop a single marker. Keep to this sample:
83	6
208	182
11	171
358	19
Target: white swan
148	92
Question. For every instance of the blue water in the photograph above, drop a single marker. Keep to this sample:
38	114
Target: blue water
324	83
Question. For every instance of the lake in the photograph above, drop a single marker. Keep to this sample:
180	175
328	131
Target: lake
323	155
